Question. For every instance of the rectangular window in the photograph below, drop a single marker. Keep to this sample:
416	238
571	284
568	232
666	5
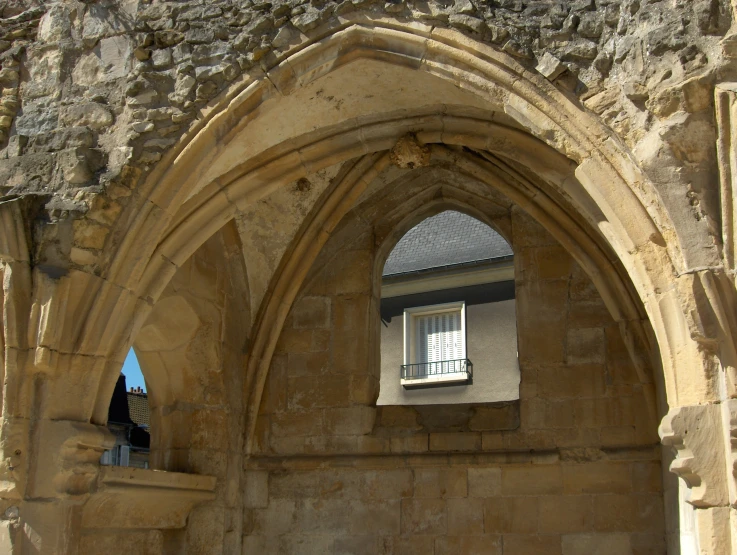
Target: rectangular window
435	345
117	456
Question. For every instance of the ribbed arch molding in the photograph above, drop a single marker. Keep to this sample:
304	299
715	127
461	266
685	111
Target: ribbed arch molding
588	249
202	182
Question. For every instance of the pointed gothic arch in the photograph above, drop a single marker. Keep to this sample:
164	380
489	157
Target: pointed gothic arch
571	149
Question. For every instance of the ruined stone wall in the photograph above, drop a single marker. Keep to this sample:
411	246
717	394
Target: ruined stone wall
94	94
576	470
130	133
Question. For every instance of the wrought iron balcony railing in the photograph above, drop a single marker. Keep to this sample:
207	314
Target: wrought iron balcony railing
460	370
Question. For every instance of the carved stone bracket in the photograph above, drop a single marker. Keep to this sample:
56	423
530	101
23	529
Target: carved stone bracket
408	153
67	460
142	498
695	433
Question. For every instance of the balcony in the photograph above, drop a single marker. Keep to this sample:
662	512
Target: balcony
437	374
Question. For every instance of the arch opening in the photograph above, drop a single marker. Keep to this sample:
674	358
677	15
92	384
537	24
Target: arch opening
359	179
578	389
128	419
447	299
505	129
190	350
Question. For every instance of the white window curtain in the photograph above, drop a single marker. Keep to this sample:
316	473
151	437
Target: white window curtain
439	340
124	455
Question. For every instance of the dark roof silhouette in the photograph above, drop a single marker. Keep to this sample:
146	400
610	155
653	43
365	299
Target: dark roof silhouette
448	239
118	411
128	407
140	437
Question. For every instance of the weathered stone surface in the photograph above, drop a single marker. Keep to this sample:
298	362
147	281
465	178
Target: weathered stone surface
689	430
484	482
550	66
89	114
408	153
134	133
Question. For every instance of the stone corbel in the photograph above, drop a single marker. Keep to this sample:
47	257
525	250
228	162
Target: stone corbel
67	456
695	433
141	498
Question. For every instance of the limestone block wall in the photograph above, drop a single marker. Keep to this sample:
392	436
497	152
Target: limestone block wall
480	504
577	471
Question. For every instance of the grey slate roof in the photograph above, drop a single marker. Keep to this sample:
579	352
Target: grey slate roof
447	239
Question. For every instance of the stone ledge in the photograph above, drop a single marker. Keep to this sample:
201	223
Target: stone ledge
142	498
439	458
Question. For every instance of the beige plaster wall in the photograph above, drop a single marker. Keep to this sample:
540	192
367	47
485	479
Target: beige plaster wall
491	344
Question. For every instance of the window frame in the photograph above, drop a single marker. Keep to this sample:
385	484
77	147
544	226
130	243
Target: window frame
409	337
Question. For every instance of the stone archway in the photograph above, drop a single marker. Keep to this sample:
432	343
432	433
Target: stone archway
190	350
352	183
602	165
606	187
503	111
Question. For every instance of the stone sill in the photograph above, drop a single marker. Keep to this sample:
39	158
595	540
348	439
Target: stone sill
437	380
145	499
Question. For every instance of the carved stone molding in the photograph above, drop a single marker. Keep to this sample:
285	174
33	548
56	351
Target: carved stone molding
695	433
726	117
710	303
15	302
67	456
